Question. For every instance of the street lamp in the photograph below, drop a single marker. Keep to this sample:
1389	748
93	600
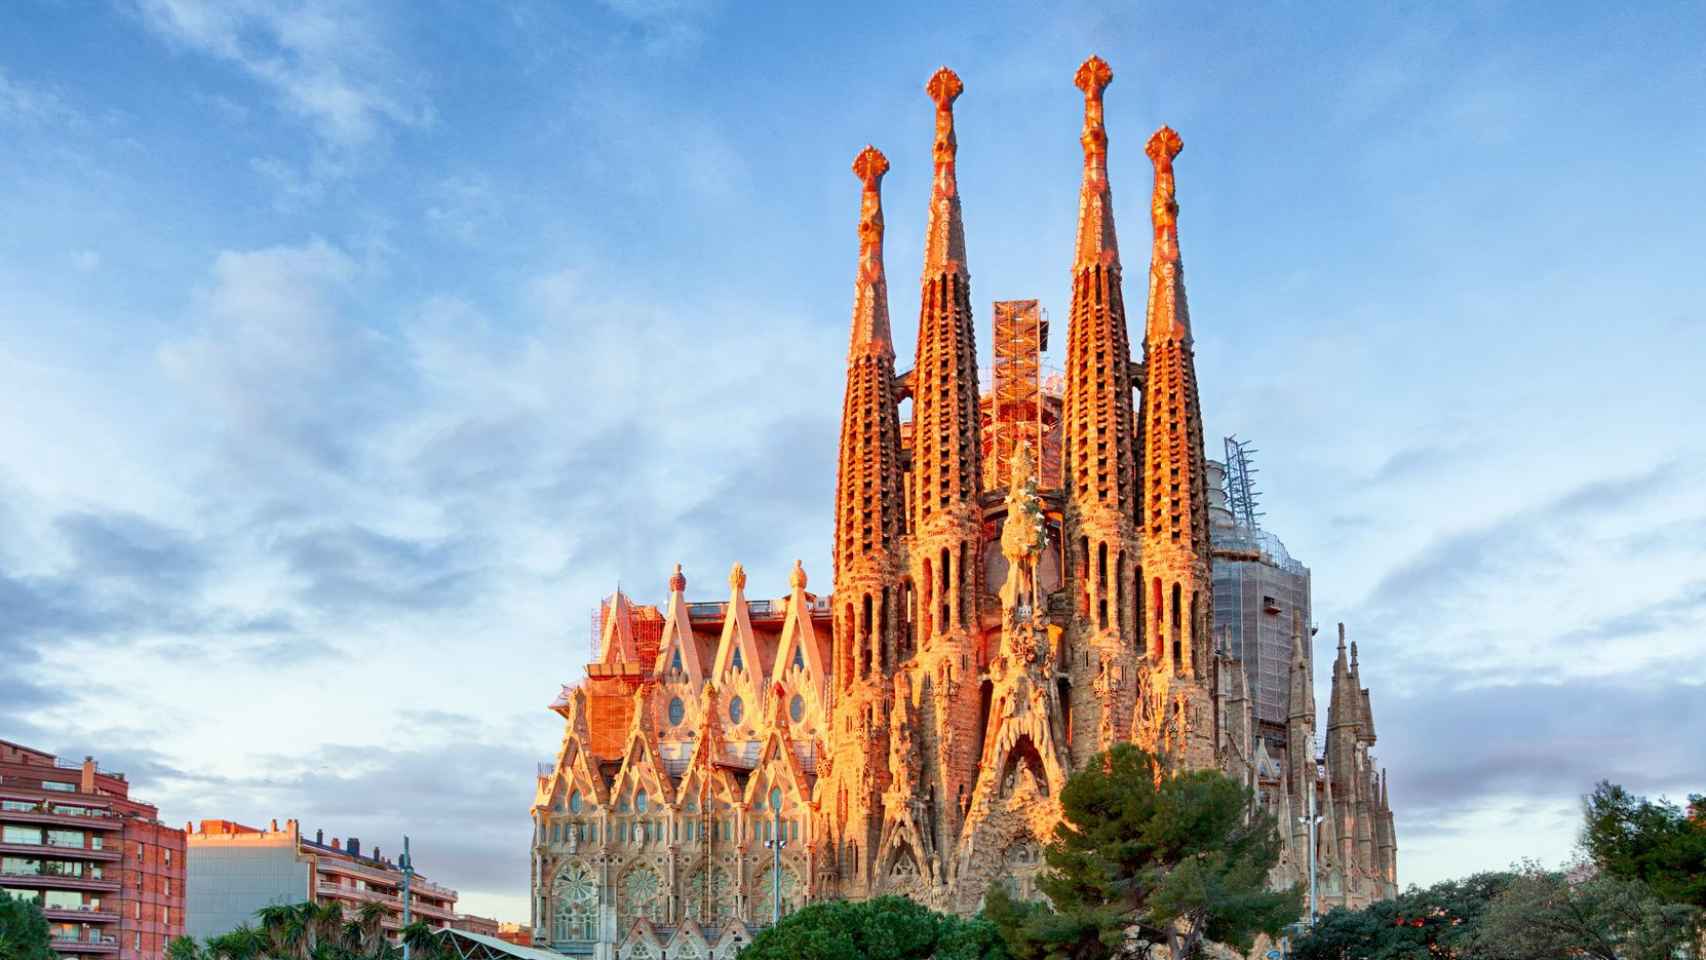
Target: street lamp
775	843
408	875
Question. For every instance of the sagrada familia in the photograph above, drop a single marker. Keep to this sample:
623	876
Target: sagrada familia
910	731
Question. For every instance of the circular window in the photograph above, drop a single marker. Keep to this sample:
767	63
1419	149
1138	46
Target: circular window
677	710
640	801
776	798
575	801
736	710
797	708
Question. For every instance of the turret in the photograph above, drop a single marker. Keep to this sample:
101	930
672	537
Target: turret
1173	511
1100	456
947	470
868	523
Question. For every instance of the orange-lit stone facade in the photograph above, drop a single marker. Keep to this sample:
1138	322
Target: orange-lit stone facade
910	731
107	874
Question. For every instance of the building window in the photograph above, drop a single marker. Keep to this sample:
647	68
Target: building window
677	711
59	786
166	915
736	710
640	802
12	833
736	660
167	854
574	801
797	708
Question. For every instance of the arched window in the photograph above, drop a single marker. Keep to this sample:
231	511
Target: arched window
575	911
677	711
797	708
574	801
736	661
640	802
775	798
737	709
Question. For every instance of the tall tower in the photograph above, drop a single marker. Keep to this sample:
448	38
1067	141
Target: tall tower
1100	460
868	522
1174	508
945	517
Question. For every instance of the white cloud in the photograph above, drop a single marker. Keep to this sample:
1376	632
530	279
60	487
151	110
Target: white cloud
324	59
25	103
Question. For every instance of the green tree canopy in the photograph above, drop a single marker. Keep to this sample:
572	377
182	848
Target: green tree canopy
1418	924
1547	914
23	930
1652	841
1144	857
884	928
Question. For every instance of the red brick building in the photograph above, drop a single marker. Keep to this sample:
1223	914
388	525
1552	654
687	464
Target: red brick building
106	872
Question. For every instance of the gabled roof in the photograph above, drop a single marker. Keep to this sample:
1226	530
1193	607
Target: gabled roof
678	634
467	945
798	633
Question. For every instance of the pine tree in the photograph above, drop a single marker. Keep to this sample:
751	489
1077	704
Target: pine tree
1145	857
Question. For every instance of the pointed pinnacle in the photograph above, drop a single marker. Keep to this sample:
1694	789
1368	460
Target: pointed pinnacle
944	87
1093	76
869	166
871	334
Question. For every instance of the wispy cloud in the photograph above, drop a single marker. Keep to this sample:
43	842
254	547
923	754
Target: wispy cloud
326	61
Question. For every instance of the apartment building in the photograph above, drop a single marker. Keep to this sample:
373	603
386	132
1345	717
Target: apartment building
108	875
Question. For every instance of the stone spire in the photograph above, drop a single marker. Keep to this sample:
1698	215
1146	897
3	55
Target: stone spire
1096	243
944	514
945	238
947	469
869	518
1169	316
867	502
871	333
1099	456
1172	512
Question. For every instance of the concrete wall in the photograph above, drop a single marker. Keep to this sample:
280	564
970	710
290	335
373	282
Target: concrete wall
227	884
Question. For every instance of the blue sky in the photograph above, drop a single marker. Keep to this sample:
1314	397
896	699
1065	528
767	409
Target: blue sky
351	352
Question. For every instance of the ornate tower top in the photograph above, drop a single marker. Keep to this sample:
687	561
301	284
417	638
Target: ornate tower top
870	293
797	577
1169	312
1096	243
945	237
677	580
737	577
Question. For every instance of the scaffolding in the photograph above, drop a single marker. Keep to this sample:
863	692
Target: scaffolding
1016	396
1241	495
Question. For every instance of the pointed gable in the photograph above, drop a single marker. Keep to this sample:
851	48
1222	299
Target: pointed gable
798	656
617	641
739	664
678	650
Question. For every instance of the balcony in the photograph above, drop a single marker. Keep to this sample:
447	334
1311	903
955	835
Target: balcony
355	893
60	852
50	881
81	914
90	945
390	878
105	820
429	910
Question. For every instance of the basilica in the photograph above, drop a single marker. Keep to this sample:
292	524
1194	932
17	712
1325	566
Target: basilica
1011	593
